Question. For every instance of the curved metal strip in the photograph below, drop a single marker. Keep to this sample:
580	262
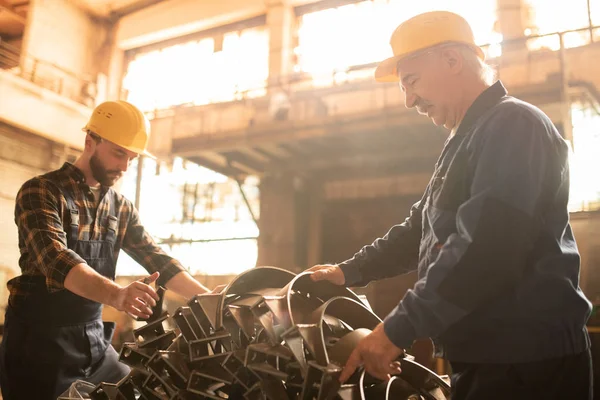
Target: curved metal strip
435	378
255	280
322	290
340	352
350	311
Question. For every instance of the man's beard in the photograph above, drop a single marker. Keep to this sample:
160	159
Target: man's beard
101	174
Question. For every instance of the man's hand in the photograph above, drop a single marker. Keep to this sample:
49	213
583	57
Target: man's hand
137	298
378	355
328	272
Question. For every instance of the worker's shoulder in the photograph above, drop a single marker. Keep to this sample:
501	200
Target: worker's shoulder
513	110
519	118
48	182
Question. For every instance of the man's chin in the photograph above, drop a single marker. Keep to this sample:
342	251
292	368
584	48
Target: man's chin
110	181
448	124
438	121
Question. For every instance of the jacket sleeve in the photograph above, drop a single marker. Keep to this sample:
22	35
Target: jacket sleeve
142	248
394	254
496	229
40	226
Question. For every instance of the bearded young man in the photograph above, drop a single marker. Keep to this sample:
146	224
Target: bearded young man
72	225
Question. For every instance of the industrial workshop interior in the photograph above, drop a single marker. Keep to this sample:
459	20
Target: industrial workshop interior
299	199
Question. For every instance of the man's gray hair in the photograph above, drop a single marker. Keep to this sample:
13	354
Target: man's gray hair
476	65
484	71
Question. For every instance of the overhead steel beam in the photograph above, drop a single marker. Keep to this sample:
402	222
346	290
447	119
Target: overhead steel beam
239	184
221	169
255	154
272	134
251	164
133	8
12	13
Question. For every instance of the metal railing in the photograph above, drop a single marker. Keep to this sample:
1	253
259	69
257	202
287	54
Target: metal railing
81	89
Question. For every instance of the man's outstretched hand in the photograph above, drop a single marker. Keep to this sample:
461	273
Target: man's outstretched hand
328	272
137	298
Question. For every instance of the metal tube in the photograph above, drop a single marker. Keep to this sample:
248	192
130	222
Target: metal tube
182	241
237	180
591	26
566	101
138	181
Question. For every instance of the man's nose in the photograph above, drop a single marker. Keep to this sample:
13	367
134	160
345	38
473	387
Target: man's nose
124	164
410	99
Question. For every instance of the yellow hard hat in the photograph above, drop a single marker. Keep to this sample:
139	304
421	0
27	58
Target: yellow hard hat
123	124
421	32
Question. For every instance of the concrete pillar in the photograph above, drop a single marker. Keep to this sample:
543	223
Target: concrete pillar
510	20
116	73
315	225
110	67
115	67
281	21
277	223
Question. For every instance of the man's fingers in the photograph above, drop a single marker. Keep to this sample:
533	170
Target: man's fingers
137	313
381	371
395	368
352	364
142	288
145	296
385	371
150	278
377	372
318	275
141	305
147	299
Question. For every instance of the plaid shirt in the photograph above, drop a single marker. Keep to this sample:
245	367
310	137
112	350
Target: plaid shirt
40	211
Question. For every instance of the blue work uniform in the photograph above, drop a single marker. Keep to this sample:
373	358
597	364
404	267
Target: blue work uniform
498	265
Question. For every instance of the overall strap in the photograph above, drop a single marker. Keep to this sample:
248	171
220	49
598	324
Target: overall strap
73	234
113	219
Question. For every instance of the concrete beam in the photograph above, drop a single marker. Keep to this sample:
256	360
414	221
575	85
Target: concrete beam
133	8
217	167
385	118
11	12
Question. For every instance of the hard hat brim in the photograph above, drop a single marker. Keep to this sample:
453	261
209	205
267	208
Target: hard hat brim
141	152
386	70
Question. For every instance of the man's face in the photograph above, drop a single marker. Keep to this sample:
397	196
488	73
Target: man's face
427	82
109	161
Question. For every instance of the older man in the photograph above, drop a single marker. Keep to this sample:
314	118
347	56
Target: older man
497	262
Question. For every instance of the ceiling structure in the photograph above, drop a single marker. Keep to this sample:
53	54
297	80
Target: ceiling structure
114	8
13	14
381	142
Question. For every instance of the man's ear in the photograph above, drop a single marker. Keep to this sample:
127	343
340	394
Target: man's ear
90	142
453	60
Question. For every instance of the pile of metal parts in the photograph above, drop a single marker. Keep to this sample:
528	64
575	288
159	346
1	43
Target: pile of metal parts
270	334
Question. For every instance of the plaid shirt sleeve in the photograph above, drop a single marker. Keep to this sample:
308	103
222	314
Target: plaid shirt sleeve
140	246
40	226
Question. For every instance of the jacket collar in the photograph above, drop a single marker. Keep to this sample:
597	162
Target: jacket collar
73	172
485	101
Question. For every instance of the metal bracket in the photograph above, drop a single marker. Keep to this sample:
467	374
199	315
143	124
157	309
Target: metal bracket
271	335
